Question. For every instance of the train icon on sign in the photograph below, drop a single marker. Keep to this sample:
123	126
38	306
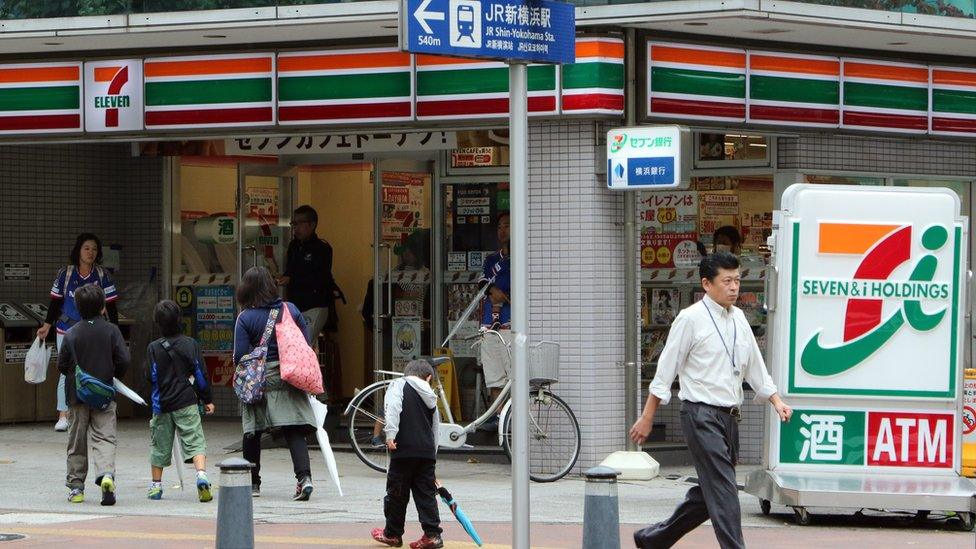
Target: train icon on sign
464	21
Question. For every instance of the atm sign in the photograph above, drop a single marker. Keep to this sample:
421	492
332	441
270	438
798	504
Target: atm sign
900	439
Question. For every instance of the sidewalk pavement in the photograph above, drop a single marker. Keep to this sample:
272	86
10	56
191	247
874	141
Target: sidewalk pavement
33	501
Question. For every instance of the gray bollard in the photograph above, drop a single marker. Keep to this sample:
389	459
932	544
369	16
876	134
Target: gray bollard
235	512
601	516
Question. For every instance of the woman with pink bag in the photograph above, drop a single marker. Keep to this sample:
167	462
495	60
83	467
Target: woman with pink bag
285	409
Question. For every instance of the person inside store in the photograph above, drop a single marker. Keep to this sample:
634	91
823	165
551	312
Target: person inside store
496	314
308	279
712	350
727	239
84	267
284	410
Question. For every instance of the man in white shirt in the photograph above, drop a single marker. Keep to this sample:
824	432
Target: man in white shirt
712	349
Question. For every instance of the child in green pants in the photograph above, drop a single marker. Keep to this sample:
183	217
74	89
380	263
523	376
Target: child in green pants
175	360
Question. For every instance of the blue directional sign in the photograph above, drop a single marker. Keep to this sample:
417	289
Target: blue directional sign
537	31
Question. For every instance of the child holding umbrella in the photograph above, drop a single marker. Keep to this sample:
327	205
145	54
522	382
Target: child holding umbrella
411	427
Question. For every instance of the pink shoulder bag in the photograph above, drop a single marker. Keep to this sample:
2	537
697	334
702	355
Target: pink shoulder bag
299	365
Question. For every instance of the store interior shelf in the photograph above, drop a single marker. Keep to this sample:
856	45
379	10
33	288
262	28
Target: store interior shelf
689	275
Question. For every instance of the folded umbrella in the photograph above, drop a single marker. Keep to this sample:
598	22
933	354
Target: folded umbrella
178	457
321	410
127	392
459	514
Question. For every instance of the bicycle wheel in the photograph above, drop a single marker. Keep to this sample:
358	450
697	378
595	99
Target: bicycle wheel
554	437
365	420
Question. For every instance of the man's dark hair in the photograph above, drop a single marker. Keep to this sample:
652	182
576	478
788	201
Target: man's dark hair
79	242
257	288
90	300
500	215
729	232
419	368
308	212
167	316
710	264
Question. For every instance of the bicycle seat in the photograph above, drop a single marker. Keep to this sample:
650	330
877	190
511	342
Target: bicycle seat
436	361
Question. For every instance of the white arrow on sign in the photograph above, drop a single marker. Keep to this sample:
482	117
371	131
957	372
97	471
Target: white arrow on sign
423	16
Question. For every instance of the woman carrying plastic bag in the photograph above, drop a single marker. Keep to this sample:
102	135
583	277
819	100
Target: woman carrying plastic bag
36	362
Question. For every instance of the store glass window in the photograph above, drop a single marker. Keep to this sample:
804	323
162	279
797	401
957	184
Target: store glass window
733	213
842	180
479	149
726	150
962	188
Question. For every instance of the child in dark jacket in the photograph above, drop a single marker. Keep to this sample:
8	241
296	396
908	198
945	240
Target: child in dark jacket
95	347
412	422
175	360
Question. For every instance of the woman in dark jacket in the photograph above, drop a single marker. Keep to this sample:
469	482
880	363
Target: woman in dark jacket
283	407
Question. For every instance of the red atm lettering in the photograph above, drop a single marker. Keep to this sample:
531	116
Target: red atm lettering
898	439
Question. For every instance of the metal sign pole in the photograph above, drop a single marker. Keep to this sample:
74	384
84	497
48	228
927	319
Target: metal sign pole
518	174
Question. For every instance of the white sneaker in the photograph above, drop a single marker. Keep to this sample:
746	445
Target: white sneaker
62	424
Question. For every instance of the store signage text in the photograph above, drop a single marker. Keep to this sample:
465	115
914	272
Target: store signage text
873	438
343	143
647	158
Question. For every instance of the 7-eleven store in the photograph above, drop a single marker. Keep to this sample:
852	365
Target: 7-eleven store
215	146
188	167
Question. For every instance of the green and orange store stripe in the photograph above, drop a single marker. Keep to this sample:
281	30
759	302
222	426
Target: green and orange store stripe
953	101
794	89
40	98
207	91
595	82
691	81
449	87
886	96
342	86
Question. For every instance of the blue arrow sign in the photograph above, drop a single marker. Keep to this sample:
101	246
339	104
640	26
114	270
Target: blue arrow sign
536	31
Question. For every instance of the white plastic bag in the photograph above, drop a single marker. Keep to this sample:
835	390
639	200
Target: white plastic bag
36	361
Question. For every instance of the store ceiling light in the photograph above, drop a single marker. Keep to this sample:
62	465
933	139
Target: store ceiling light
215	36
897	43
53	43
769	31
696	24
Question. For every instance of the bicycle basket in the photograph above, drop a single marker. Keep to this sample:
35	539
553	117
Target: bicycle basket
543	363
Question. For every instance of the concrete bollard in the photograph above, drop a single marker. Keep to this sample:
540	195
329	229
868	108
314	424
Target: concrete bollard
235	512
601	515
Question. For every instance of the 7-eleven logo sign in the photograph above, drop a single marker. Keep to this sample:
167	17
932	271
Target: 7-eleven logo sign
113	95
876	305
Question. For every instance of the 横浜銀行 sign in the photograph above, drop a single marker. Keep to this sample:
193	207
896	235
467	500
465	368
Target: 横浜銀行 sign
538	31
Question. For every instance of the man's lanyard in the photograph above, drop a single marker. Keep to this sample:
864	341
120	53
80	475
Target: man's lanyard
735	335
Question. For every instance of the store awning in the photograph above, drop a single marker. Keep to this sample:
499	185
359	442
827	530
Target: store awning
773	20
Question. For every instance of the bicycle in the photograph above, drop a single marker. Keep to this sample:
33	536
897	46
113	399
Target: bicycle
554	432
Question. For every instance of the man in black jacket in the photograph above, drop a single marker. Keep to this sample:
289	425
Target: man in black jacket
94	346
308	279
412	422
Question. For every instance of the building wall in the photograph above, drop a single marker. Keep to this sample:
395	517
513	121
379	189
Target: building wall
576	270
877	154
51	193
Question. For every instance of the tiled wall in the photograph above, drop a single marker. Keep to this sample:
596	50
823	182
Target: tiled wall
51	193
877	154
576	278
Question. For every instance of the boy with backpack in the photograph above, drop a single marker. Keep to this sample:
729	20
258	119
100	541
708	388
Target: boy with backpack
412	421
175	360
92	353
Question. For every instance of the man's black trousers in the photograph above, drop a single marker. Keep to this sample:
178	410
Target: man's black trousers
404	476
712	435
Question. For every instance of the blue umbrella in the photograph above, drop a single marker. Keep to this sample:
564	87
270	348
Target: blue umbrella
459	514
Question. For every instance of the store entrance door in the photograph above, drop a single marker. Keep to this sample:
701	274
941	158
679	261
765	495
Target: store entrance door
264	213
402	281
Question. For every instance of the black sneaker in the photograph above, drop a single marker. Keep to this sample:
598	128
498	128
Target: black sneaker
303	490
255	490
